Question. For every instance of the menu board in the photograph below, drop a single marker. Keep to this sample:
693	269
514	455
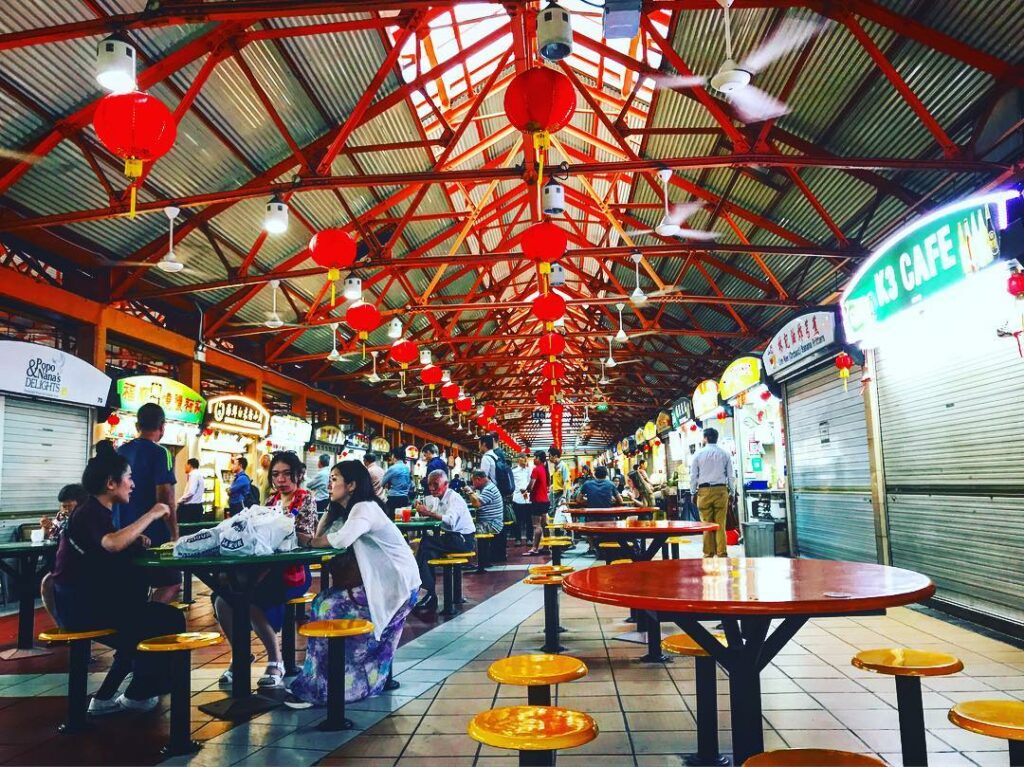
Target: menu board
331	434
290	430
682	411
235	414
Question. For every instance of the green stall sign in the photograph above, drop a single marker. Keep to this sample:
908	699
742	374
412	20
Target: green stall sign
180	403
922	259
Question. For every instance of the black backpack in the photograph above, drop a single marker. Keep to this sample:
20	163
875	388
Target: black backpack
503	474
252	496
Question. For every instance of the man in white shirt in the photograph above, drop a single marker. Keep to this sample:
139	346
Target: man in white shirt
711	481
456	533
190	505
489	459
521	499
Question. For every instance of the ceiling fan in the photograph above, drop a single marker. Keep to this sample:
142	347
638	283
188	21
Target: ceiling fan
169	263
373	377
732	79
273	320
621	336
674	216
334	355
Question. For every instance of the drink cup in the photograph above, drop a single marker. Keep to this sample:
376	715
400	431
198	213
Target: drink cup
632	520
406	515
37	535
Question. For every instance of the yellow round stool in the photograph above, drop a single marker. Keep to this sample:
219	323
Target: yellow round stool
543	730
673	543
707	695
552	627
336	632
180	740
995	718
550	569
537	673
907	666
621	562
448	567
812	757
79	649
294	614
557	544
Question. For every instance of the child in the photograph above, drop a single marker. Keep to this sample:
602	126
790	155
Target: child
69	498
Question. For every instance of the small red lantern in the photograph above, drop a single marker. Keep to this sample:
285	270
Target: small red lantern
1015	284
540	100
363	318
207	431
464	404
766	395
431	375
844	362
450	391
113	419
551	344
334	250
721	415
544	242
657	443
553	371
403	352
693	427
136	127
545	398
489	411
548	308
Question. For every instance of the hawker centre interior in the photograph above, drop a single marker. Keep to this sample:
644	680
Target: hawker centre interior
420	383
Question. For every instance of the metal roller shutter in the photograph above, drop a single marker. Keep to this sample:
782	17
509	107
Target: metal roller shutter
45	446
829	468
952	424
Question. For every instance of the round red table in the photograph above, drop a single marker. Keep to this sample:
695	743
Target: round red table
613	512
746	595
633	534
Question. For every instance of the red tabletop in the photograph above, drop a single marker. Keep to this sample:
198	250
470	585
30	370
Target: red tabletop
752	586
642	527
613	511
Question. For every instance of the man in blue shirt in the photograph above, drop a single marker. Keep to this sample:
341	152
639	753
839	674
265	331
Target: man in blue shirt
711	482
434	462
397	480
153	474
239	490
600	492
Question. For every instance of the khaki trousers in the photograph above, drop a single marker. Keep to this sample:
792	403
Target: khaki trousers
713	505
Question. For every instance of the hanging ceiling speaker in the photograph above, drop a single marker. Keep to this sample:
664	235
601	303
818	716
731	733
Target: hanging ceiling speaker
554	33
621	336
276	219
353	288
553	198
334	356
557	276
115	65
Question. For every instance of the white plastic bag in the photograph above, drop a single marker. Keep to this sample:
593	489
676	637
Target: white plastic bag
237	538
200	544
274	532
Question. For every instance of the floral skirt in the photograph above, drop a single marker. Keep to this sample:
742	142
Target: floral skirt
367	660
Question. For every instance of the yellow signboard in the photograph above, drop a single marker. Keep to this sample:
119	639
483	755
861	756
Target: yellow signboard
742	374
705	398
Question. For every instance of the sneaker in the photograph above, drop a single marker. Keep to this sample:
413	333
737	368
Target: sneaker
225	679
144	705
273	677
100	707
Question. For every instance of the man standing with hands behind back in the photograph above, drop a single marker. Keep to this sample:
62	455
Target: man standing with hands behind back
711	484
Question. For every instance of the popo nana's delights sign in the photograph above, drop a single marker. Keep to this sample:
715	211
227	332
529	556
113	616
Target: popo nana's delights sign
922	259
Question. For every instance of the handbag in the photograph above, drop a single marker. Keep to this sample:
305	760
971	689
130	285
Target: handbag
732	518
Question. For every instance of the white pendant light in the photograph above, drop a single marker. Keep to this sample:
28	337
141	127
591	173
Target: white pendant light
603	381
610	362
426	358
395	329
373	377
276	219
446	377
334	356
554	33
170	263
637	296
621	336
115	65
274	321
423	402
353	288
557	277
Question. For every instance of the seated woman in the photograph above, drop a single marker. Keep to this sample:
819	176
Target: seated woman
376	579
266	614
70	498
96	586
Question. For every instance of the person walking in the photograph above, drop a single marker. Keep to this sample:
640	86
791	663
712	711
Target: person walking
376	474
537	489
240	491
711	483
456	532
190	505
152	470
319	482
397	480
559	478
521	500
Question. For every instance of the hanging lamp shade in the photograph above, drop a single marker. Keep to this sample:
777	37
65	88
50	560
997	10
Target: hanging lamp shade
431	375
545	398
489	411
450	391
544	242
136	127
363	318
551	344
553	371
334	250
540	99
464	404
548	308
403	352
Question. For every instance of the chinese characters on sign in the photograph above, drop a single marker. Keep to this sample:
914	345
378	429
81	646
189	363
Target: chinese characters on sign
180	403
239	415
802	340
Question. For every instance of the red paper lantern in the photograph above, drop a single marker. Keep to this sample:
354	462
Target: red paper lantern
766	395
113	419
548	308
551	344
544	242
693	427
489	411
136	127
844	362
544	398
1015	284
553	370
464	404
721	415
657	443
431	375
403	352
540	99
334	250
207	431
363	318
450	391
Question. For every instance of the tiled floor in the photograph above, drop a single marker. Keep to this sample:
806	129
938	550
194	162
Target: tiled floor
812	696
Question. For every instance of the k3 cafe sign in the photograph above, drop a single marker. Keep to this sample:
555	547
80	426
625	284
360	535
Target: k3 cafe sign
922	259
239	415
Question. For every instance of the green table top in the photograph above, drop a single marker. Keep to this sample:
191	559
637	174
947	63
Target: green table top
25	547
298	556
192	527
419	524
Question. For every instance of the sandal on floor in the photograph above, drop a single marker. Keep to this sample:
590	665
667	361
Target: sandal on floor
531	553
295	703
270	678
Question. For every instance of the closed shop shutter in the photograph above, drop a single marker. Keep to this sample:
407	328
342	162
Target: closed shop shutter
45	446
952	423
829	470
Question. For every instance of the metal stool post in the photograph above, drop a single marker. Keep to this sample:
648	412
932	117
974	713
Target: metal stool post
335	687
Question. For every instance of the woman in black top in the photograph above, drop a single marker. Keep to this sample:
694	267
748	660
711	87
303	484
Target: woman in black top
95	586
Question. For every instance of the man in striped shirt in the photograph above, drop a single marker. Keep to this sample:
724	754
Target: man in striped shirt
489	504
